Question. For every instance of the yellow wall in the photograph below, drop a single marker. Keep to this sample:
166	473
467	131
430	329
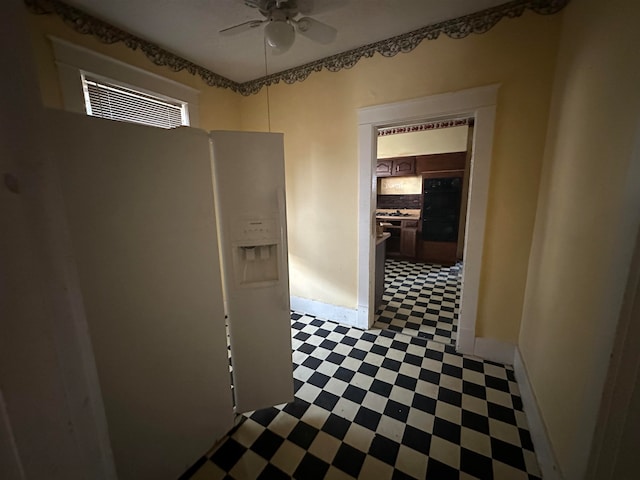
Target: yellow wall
586	222
586	208
319	118
219	108
442	140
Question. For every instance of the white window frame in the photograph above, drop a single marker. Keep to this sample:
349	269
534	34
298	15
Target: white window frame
184	106
74	61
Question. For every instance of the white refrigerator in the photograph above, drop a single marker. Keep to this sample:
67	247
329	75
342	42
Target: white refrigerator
166	227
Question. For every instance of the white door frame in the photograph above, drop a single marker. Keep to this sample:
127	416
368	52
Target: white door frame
479	103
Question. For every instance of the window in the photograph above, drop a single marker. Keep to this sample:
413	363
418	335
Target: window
108	100
104	87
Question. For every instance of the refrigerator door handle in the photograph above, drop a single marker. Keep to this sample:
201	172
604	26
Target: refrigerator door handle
284	261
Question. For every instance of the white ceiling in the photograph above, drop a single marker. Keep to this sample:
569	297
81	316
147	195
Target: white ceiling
189	28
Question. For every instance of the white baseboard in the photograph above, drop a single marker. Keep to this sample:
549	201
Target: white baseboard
494	350
362	318
466	340
325	311
539	436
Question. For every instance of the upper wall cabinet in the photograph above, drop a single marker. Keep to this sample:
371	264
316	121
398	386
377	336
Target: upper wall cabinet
384	168
396	167
440	161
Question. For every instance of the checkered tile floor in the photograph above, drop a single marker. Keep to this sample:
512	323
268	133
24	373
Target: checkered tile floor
381	405
421	299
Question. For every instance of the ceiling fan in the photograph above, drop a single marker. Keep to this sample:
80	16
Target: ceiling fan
282	21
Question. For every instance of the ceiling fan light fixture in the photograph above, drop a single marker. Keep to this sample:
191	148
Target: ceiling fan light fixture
279	34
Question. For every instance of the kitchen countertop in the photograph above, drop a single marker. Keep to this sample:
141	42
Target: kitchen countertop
409	214
382	238
389	217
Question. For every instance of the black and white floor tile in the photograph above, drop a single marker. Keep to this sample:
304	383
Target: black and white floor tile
381	405
421	299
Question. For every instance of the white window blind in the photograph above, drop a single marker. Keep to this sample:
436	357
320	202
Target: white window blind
115	102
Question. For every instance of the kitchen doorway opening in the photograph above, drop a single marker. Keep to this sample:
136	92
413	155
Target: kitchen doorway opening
479	104
422	182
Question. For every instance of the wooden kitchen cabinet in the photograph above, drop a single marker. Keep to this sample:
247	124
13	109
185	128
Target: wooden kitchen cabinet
404	166
440	162
396	167
384	168
408	241
443	253
402	242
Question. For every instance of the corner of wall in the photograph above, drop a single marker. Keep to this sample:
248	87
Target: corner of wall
544	451
333	313
494	350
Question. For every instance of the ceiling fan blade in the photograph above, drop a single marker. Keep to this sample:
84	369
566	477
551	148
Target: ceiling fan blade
242	27
315	30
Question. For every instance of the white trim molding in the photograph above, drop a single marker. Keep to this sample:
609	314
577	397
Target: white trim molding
478	103
494	350
542	445
326	311
72	61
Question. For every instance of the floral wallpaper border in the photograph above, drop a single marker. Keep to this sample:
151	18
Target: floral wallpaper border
421	127
479	22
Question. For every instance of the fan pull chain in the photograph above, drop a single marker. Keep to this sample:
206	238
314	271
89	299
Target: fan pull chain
266	73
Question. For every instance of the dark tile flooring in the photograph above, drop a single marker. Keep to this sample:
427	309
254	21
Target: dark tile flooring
421	299
381	405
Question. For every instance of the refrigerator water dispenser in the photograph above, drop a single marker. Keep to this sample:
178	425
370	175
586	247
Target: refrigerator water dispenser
255	252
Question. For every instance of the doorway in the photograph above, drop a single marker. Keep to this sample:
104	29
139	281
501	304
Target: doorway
420	217
479	103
